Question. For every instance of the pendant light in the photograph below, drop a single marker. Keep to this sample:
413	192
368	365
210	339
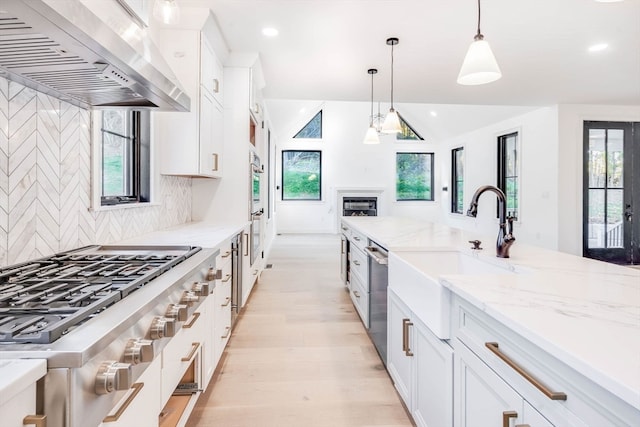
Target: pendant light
371	136
166	11
391	121
479	66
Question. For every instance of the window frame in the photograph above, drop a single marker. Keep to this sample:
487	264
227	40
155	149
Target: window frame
431	176
314	138
282	181
455	178
501	166
139	125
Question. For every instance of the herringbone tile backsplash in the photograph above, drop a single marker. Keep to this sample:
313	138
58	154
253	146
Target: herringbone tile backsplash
45	182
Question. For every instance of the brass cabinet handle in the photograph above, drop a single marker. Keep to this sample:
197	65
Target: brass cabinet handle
37	420
405	336
216	86
357	294
193	320
215	162
226	278
227	301
553	395
136	387
226	254
356	262
356	238
227	332
194	348
506	416
246	246
344	228
342	246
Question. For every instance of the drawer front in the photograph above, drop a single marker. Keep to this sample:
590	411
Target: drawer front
360	299
344	229
358	239
225	254
223	284
181	351
537	375
360	265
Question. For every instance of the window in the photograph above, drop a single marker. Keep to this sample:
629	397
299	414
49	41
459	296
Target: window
407	133
313	129
125	156
457	180
508	169
414	176
301	175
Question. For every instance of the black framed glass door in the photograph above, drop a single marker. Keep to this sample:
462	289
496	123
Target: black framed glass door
611	189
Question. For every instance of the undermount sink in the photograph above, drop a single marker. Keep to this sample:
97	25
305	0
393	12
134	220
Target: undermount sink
415	277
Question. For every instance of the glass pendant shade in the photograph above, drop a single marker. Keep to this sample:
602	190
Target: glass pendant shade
479	66
166	11
391	123
371	136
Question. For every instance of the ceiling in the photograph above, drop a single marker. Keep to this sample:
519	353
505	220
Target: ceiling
325	47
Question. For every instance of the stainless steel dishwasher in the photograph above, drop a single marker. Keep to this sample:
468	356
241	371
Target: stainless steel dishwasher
378	282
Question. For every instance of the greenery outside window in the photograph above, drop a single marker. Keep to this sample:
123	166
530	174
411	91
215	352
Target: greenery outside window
313	129
508	171
301	175
457	180
414	176
408	133
125	157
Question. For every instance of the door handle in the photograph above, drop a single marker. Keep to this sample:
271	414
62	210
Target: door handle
628	213
506	416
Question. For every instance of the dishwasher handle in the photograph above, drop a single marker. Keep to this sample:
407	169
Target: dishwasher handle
377	255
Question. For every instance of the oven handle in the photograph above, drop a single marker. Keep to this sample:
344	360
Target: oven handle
136	387
377	255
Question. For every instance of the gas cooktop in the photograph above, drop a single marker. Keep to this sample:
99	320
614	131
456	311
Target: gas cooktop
42	300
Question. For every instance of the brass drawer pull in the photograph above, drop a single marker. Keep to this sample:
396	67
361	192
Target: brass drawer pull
506	416
246	244
553	395
227	332
405	337
195	317
215	162
357	294
194	348
227	301
136	387
36	420
356	262
226	254
226	278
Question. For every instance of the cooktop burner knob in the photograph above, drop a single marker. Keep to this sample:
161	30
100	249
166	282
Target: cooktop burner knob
138	351
113	376
189	297
213	274
177	312
162	327
201	288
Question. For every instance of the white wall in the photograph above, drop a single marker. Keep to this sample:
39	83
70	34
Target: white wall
570	131
538	217
346	163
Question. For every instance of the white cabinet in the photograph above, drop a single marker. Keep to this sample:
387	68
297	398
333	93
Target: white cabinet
421	366
191	143
18	379
222	322
484	399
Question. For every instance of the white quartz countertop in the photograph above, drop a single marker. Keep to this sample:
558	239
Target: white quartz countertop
204	234
584	312
17	374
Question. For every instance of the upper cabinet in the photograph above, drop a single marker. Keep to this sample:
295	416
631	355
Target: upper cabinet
192	143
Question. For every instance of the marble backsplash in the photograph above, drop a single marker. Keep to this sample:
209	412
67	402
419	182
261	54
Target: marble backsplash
45	182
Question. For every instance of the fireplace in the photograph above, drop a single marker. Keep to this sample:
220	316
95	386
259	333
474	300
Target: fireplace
360	206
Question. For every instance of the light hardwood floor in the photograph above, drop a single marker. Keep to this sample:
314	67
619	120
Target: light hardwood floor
299	355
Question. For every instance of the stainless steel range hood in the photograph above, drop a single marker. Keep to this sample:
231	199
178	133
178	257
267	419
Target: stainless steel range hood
93	58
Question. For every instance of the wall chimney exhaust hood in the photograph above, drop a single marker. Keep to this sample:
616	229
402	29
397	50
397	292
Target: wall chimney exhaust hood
89	58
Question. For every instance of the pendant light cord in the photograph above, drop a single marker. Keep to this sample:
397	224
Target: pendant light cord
479	34
371	120
392	74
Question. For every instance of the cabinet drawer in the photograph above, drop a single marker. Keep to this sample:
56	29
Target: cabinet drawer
360	299
344	229
223	284
537	375
358	239
181	351
360	266
225	254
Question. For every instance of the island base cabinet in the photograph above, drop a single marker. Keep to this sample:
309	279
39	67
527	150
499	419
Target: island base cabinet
483	399
421	366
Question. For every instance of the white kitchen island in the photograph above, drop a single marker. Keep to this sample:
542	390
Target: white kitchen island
572	323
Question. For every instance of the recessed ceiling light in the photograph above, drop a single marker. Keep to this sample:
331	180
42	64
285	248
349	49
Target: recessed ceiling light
270	32
434	114
598	47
